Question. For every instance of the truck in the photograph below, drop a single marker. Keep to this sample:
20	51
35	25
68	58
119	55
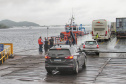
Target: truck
101	27
113	27
121	27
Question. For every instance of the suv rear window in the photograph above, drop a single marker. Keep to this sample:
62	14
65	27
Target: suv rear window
62	52
90	43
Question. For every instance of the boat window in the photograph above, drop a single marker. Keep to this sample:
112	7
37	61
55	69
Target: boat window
70	28
74	28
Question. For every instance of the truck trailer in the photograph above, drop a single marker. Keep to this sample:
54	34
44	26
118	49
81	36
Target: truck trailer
113	27
121	27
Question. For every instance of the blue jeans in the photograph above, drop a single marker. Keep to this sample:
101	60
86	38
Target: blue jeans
40	48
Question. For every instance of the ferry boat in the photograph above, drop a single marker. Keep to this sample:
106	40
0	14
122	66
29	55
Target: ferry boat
72	27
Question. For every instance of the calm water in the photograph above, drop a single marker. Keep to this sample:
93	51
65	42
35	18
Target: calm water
26	38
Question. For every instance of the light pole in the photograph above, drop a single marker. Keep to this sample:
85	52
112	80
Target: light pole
47	32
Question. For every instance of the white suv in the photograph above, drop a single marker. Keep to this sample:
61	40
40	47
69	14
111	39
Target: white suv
90	46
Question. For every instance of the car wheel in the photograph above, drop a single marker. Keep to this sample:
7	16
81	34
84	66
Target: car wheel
84	65
97	53
76	69
49	71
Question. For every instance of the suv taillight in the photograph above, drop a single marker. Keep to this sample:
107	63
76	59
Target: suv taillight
47	57
106	33
69	57
97	46
83	46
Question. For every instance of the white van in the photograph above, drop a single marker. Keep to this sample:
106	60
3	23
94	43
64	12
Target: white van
102	27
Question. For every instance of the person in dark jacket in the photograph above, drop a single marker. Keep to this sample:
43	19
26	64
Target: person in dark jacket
46	45
51	42
67	42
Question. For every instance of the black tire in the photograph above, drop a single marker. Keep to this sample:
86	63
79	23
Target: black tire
49	71
84	65
97	53
76	69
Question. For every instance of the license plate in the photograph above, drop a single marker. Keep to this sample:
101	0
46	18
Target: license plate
57	60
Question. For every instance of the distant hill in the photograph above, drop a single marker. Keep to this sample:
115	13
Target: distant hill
10	23
2	26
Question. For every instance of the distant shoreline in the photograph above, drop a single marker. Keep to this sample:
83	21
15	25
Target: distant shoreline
4	28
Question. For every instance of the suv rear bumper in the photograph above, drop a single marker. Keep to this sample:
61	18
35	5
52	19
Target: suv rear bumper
61	68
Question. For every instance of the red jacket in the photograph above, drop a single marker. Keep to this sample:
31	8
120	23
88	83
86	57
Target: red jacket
40	41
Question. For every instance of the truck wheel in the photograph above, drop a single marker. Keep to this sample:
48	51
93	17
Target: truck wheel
97	53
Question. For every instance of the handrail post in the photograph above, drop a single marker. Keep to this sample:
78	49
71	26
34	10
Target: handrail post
11	48
6	53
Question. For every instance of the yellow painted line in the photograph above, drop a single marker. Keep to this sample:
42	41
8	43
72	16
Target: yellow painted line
102	42
117	42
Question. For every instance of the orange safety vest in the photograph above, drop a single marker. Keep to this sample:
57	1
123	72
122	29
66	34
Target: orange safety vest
39	41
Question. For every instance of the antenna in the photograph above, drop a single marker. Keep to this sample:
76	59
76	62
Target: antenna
72	15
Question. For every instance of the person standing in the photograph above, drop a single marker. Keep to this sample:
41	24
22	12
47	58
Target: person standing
46	45
67	42
97	36
51	42
40	42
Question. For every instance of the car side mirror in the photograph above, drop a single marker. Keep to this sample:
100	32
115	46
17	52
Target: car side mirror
79	51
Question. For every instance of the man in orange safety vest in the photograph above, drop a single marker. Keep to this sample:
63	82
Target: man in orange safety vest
40	42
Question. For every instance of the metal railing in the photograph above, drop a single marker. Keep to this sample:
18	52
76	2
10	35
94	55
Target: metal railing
4	55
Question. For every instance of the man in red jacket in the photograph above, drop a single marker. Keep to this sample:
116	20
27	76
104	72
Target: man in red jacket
40	42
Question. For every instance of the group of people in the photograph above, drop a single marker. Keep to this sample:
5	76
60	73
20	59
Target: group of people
47	44
70	41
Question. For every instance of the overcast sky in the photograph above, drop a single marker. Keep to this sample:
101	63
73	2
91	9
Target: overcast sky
58	12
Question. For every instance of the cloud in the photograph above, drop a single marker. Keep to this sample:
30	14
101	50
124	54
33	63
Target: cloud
45	12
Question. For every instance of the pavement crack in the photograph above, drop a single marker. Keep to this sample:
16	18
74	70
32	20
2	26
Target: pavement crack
101	69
